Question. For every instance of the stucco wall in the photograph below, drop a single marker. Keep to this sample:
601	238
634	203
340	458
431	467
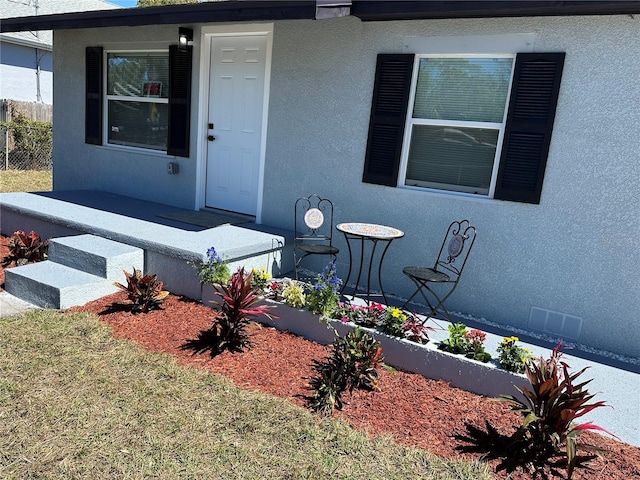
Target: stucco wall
575	253
123	171
18	73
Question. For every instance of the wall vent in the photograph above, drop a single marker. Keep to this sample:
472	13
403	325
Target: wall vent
555	323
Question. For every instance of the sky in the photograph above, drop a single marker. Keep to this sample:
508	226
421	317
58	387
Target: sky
125	3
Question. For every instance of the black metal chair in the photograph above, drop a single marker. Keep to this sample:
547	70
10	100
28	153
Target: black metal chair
313	226
447	269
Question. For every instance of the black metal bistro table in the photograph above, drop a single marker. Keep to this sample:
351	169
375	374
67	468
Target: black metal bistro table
369	232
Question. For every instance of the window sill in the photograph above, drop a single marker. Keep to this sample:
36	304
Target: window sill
445	193
137	150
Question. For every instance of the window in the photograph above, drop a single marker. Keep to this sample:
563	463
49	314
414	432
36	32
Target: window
146	97
457	119
137	99
477	124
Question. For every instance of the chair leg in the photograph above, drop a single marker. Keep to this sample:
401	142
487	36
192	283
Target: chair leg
439	306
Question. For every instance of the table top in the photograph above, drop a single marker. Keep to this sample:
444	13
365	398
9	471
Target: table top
370	230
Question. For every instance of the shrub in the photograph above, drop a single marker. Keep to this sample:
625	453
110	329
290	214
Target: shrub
323	296
512	356
144	291
550	406
32	137
237	306
214	271
353	363
24	249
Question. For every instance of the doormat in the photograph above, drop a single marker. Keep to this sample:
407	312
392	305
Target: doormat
203	219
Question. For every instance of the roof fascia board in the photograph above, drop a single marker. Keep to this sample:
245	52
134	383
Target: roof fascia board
271	10
373	10
207	12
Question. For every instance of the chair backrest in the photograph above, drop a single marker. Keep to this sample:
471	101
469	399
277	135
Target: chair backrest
455	249
313	219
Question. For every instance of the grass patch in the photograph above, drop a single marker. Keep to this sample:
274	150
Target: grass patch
76	403
25	181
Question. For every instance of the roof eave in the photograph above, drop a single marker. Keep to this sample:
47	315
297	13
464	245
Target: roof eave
40	45
373	10
209	12
272	10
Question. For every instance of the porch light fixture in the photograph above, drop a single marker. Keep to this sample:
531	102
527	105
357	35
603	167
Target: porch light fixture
185	35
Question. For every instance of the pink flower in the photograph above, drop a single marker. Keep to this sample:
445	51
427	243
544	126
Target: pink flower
344	319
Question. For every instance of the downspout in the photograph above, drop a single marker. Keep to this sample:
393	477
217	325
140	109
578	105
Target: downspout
332	8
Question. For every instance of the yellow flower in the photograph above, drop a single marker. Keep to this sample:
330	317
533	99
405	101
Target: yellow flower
396	312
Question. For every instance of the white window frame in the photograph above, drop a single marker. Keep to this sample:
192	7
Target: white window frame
410	122
127	98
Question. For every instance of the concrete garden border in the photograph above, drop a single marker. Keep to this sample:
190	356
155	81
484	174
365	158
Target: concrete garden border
467	374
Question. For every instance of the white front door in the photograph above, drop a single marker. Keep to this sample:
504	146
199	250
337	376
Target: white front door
236	102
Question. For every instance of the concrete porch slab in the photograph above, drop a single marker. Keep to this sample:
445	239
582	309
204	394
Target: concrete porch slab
169	246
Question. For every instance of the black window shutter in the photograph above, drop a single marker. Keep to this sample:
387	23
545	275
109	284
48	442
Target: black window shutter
179	100
532	109
388	117
93	96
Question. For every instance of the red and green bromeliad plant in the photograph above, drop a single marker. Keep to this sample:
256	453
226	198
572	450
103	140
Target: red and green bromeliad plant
549	409
25	248
237	306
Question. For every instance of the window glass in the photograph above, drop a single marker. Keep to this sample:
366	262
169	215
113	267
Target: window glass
138	124
452	158
468	89
138	74
457	122
137	99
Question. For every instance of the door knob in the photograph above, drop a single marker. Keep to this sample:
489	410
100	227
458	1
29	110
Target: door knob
211	138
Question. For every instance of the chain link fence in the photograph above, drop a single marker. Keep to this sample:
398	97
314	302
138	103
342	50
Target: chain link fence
26	147
25	135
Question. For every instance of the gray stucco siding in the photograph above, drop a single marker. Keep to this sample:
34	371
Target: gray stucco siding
574	253
129	172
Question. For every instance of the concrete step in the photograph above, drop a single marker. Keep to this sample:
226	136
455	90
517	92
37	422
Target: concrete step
96	255
52	285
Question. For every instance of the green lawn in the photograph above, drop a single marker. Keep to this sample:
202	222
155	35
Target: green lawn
76	403
25	181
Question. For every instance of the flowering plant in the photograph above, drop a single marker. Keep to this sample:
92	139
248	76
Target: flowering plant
400	324
392	320
465	342
323	296
475	345
512	356
214	270
260	279
364	315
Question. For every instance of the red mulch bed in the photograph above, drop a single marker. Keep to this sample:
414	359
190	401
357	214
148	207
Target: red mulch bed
419	412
